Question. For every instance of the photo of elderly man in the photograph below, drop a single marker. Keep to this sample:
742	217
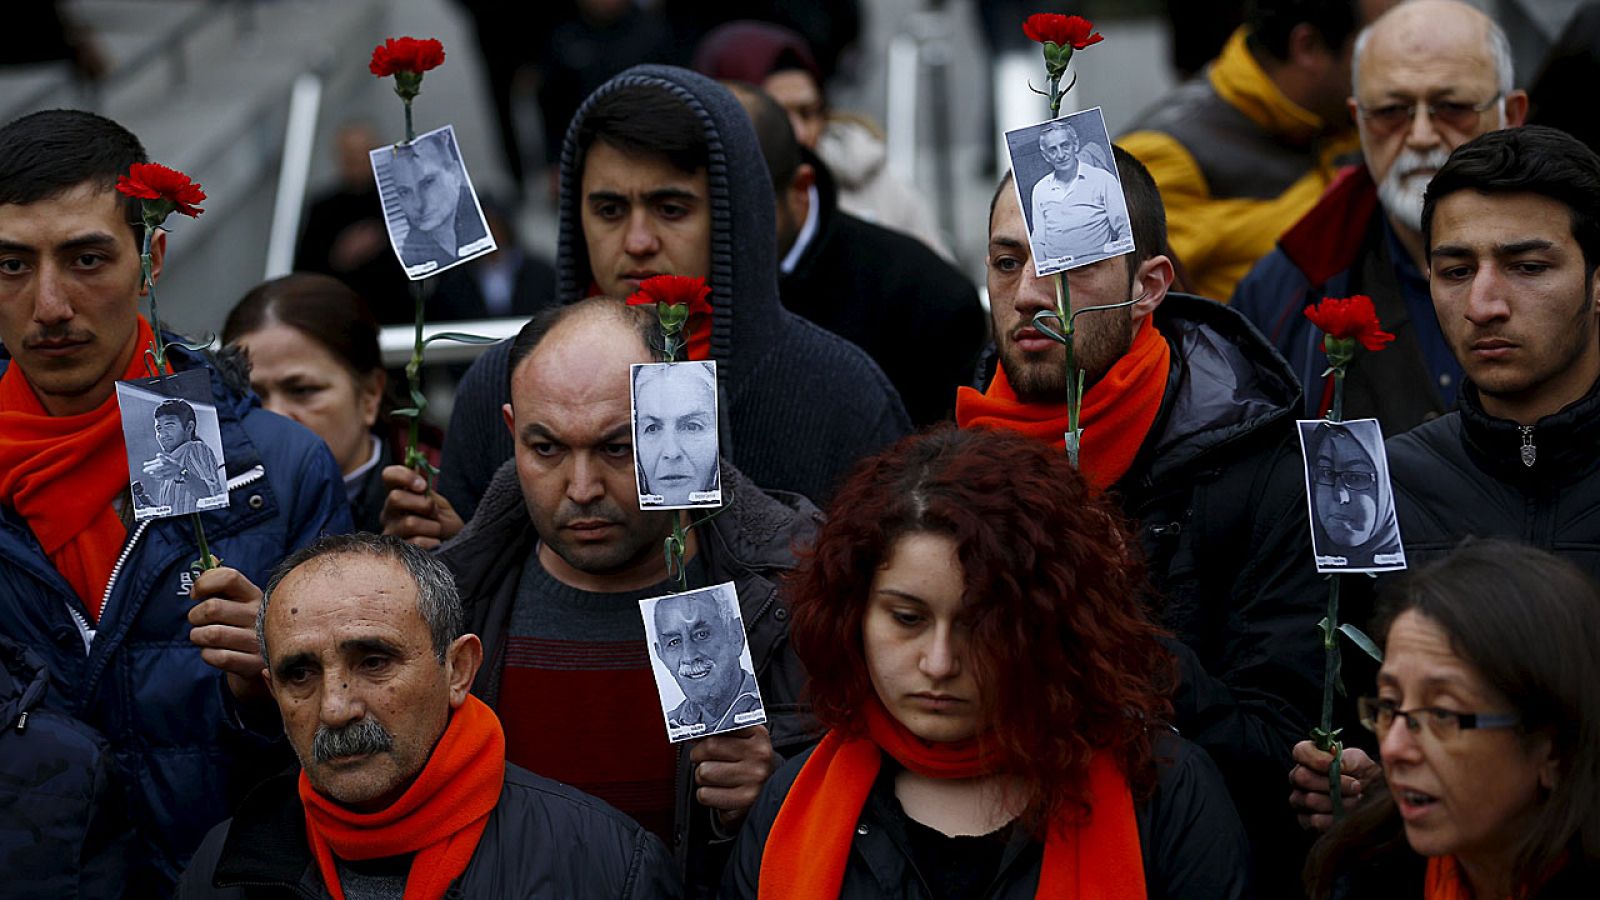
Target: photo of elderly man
699	639
675	435
1065	180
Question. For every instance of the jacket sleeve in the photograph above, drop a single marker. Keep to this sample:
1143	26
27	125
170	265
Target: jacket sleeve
1190	834
652	873
477	441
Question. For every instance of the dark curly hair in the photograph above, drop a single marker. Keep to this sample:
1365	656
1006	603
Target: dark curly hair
1064	655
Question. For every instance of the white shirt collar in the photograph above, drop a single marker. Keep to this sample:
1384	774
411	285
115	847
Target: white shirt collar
807	232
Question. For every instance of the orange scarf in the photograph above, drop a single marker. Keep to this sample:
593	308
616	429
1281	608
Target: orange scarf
809	845
1116	416
61	473
439	818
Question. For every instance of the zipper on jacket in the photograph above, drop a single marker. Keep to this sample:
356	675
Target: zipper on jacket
84	630
1530	453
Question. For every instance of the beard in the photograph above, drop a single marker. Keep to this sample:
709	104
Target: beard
1401	190
1101	338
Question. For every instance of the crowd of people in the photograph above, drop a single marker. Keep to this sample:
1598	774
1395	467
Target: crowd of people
980	669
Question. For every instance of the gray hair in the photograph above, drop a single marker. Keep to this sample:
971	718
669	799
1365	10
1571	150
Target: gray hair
437	598
1059	126
1499	51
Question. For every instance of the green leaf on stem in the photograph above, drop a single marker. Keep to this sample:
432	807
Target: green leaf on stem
460	338
1361	640
410	412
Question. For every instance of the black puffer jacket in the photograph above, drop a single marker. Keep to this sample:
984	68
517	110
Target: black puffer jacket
1192	842
1218	493
1463	474
63	830
750	542
543	840
800	405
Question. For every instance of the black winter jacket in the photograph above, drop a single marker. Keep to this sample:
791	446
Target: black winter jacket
1217	492
1402	875
1463	474
890	295
63	831
799	405
750	542
543	839
1192	842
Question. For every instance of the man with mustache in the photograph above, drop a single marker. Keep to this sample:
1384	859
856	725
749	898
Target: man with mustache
699	642
1188	420
158	664
555	561
1428	76
1511	224
404	788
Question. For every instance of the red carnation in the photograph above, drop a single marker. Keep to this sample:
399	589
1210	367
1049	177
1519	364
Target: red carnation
1352	318
149	181
674	289
406	54
1063	31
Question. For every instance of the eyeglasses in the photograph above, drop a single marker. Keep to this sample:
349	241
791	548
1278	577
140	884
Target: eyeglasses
1327	476
1451	114
1378	715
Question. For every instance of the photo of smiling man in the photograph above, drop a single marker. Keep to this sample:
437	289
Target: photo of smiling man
1353	523
675	435
697	639
174	444
1070	193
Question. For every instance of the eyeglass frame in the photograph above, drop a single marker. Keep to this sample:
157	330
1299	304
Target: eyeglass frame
1370	114
1369	708
1340	478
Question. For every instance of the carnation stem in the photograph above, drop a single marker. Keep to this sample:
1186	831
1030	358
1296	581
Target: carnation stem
1074	377
411	133
414	456
146	267
1326	739
207	561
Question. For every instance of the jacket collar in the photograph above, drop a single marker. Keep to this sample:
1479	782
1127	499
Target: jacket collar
1241	82
266	842
1327	240
1565	445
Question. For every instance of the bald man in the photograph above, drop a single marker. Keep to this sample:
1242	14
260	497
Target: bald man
1428	76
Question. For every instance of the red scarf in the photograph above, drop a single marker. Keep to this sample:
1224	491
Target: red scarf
809	845
439	818
61	473
1116	416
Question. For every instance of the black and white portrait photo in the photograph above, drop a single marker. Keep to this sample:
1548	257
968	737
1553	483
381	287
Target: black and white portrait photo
1066	180
675	449
175	464
702	662
1353	523
429	205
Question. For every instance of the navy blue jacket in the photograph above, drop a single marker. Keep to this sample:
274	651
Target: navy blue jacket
181	751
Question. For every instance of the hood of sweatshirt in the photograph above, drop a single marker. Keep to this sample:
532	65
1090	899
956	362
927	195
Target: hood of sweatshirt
746	312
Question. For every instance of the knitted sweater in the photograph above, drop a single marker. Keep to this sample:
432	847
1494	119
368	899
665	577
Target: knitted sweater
802	405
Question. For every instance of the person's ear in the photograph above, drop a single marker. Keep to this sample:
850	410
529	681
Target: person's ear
798	196
1307	49
462	660
510	420
1151	281
158	253
1516	109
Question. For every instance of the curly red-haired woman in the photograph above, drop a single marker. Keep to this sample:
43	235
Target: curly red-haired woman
994	695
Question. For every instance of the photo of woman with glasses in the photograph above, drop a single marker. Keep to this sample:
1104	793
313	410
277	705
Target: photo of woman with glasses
1488	727
1353	524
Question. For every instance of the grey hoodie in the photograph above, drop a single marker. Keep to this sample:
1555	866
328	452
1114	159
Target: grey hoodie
801	404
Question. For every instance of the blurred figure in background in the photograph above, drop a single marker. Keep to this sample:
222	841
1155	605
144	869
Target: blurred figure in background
313	349
344	234
1243	150
507	282
1562	94
780	62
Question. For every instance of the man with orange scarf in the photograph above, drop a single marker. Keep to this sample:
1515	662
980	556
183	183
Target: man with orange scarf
159	664
404	789
1188	422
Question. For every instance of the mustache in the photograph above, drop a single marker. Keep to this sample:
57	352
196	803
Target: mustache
361	737
1410	161
59	333
600	509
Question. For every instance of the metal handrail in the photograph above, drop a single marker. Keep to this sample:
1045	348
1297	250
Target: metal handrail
395	341
172	40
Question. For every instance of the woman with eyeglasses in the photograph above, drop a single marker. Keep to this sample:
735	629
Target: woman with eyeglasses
1352	518
1488	723
995	695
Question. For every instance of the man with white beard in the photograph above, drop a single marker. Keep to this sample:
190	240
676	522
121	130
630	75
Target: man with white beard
1429	75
